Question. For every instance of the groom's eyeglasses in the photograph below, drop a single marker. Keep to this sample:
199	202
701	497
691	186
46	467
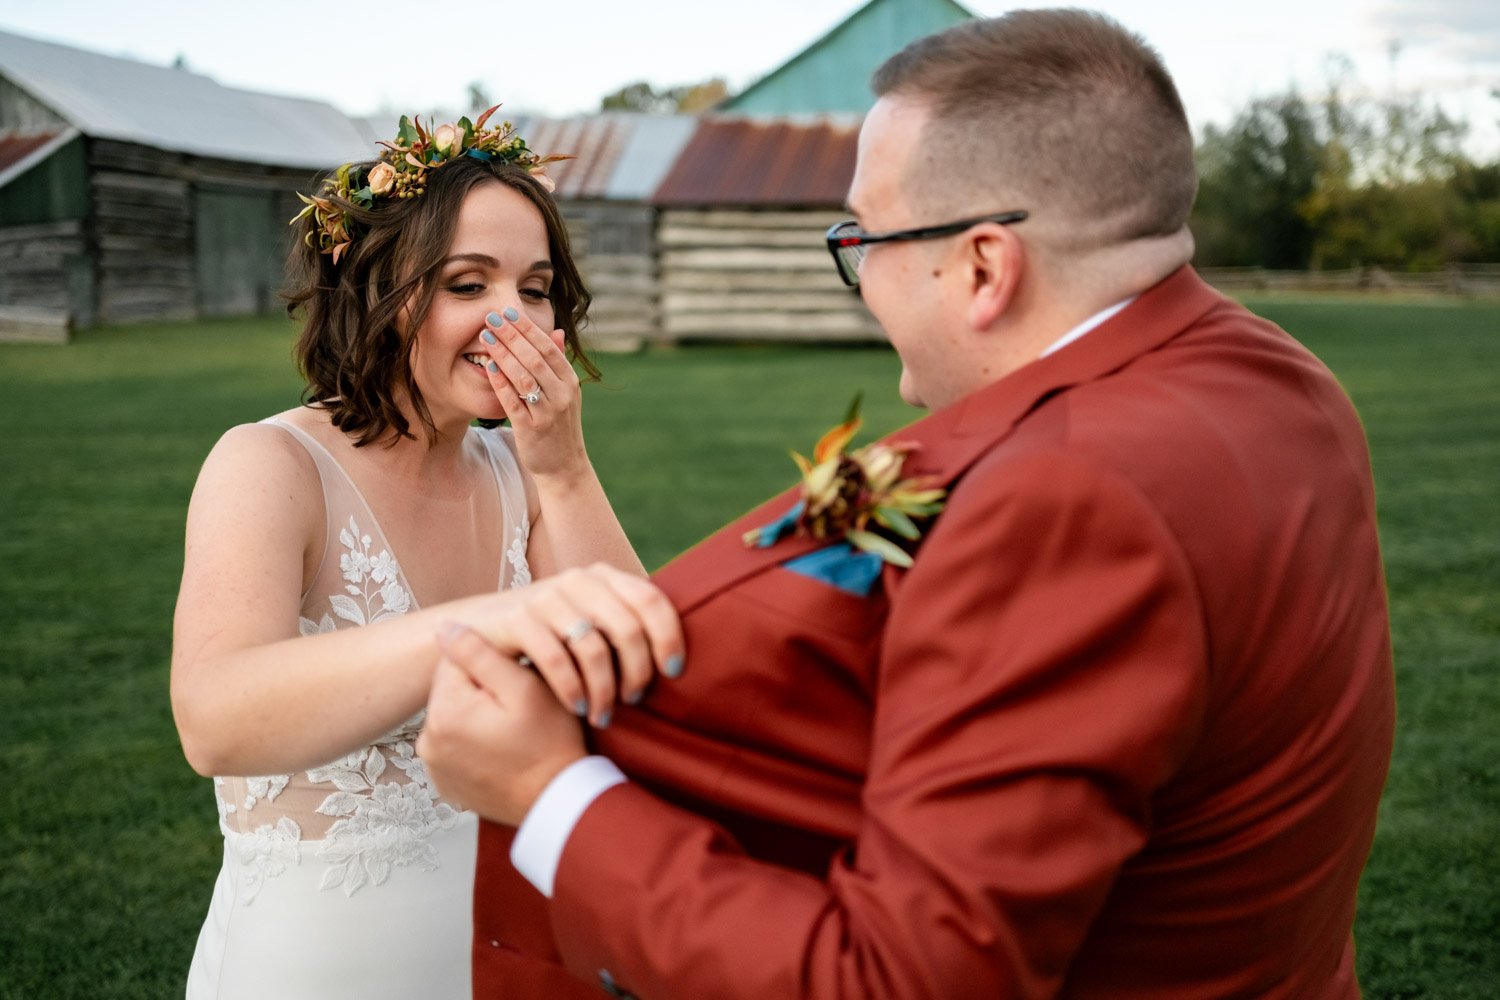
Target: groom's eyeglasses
847	242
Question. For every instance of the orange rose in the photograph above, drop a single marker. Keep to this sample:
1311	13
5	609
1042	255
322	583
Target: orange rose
382	178
448	140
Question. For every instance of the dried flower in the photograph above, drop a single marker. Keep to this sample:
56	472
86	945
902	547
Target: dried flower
402	170
857	496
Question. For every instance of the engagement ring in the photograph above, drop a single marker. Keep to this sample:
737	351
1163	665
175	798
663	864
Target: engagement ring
578	630
533	397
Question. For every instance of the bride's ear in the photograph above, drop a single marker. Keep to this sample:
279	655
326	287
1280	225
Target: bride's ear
992	260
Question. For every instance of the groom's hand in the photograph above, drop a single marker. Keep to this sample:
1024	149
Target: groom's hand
495	736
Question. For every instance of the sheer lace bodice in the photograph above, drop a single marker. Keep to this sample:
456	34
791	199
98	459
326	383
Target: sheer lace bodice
318	860
373	808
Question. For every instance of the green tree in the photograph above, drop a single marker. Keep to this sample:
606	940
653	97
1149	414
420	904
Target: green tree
1255	178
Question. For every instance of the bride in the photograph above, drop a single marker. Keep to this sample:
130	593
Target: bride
326	545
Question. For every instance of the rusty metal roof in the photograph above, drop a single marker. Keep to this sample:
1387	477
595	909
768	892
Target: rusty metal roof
19	151
15	148
617	154
737	161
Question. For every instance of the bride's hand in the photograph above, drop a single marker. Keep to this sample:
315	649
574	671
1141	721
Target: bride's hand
592	634
539	390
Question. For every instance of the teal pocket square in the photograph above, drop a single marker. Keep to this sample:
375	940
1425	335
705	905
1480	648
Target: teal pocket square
842	566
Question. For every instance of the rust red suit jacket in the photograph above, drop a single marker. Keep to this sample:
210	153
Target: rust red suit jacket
1120	732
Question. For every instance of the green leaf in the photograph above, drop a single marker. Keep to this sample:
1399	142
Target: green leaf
882	547
853	413
407	133
897	522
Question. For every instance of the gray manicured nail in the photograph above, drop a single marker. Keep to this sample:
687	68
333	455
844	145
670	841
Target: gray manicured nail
603	722
494	367
673	666
493	319
487	337
512	314
580	708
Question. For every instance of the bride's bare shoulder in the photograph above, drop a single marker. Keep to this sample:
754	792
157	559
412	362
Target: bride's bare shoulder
264	454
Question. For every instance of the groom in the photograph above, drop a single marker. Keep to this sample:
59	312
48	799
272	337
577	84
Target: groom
1121	728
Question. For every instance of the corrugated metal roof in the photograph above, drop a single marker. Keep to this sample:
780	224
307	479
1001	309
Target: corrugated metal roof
617	154
652	149
731	161
177	109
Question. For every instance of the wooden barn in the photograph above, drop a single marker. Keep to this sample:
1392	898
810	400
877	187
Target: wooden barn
619	160
745	206
131	192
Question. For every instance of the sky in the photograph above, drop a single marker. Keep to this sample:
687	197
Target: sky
561	56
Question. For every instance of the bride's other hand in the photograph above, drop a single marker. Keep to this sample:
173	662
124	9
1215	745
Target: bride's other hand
539	390
593	634
493	740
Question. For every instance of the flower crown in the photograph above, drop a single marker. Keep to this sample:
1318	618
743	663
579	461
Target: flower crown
401	172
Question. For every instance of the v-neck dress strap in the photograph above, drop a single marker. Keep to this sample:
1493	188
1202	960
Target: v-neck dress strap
500	445
355	545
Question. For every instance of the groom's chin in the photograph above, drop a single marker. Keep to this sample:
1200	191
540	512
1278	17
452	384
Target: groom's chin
908	391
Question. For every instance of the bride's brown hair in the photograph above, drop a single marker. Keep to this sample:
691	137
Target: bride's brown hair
361	315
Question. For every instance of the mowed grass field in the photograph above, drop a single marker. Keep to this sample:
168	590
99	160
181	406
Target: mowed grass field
108	842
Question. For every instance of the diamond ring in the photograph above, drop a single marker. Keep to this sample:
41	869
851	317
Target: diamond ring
578	630
533	397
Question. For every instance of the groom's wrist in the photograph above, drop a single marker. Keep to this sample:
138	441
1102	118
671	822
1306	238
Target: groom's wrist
544	831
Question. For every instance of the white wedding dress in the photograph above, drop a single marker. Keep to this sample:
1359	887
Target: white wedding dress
353	879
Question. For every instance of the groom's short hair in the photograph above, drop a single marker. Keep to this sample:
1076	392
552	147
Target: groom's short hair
1063	113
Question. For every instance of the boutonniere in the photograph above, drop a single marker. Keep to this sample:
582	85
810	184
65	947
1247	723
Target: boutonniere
857	496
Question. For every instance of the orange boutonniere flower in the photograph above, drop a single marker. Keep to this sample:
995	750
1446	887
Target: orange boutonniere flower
857	496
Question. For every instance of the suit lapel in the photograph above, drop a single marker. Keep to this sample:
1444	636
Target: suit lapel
954	438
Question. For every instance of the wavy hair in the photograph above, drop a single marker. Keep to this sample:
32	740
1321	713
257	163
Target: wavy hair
361	315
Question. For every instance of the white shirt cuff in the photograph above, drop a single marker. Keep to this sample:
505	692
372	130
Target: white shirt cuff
537	849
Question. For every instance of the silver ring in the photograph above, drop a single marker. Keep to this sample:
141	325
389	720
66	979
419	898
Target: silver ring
533	397
578	630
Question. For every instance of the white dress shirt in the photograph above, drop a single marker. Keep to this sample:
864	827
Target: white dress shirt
544	832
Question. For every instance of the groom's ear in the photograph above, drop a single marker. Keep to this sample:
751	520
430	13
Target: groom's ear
992	259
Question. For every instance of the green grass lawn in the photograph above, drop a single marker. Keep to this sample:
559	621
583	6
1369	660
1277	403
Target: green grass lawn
108	842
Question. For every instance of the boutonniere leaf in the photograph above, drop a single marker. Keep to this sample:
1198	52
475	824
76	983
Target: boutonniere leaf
857	496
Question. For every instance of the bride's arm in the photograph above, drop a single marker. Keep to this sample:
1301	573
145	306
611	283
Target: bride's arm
251	696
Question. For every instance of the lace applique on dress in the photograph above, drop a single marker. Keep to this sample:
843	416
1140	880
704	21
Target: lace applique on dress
265	851
520	570
384	805
382	824
267	788
370	579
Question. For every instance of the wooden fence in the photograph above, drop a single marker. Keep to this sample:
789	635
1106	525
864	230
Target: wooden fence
1468	280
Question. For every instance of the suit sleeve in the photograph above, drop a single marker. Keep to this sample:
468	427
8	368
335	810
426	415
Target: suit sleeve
1041	675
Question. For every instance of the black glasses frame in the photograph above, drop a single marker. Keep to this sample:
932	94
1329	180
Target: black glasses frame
842	239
